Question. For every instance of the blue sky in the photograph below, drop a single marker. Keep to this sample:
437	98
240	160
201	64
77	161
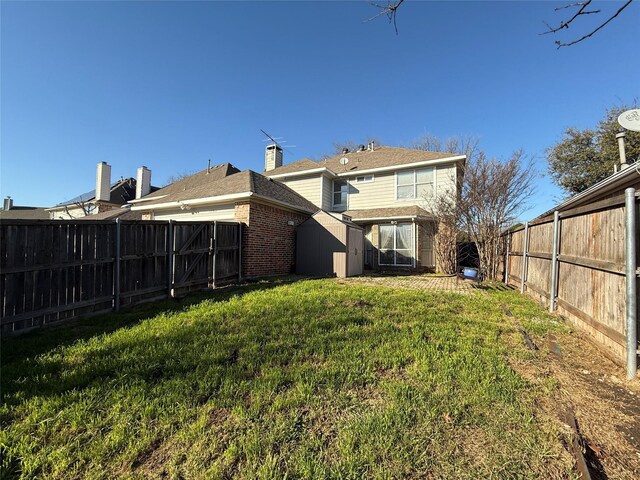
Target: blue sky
171	85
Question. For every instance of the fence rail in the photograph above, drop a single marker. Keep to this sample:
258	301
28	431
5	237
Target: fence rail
51	271
576	262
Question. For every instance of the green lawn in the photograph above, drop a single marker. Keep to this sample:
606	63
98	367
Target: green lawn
312	379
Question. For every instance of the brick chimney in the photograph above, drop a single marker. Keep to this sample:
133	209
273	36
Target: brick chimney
272	157
103	182
143	182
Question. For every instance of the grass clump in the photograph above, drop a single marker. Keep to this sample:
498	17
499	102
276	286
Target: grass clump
306	380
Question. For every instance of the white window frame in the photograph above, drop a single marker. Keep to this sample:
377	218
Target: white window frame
395	249
365	178
333	195
415	183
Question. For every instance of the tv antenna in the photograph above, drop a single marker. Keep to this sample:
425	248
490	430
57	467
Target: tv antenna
278	141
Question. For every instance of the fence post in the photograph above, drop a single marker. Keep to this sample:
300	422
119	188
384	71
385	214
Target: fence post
116	275
553	293
214	247
170	259
525	243
239	252
506	261
631	283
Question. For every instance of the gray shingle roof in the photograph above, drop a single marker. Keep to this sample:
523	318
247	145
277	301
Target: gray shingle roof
202	178
246	181
380	157
24	213
390	213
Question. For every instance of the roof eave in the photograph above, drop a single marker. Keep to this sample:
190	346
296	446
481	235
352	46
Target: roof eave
439	161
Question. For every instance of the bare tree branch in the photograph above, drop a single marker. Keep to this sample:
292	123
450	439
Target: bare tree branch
390	10
565	24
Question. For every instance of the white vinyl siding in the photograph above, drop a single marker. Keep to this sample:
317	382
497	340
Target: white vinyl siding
218	212
308	187
381	193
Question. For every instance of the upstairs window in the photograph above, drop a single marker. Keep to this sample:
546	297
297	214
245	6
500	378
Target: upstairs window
340	191
364	179
414	184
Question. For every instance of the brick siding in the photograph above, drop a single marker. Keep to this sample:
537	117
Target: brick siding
268	241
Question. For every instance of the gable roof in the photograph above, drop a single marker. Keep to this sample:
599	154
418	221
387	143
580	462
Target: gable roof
360	161
24	213
244	184
123	213
202	178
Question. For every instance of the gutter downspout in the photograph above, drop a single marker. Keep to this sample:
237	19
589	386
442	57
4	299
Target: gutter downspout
631	282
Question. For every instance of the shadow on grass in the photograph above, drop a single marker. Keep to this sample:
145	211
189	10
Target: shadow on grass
36	342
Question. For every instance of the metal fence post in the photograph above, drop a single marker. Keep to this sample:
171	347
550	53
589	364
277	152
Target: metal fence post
170	258
116	275
506	261
631	283
214	247
525	243
553	293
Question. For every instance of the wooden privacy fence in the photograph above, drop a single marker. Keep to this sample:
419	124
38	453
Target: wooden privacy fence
585	278
55	270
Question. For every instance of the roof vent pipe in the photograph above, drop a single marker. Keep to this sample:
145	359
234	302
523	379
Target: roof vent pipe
623	155
371	145
361	148
345	150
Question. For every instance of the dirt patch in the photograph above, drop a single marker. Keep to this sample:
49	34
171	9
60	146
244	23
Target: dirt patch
356	303
607	408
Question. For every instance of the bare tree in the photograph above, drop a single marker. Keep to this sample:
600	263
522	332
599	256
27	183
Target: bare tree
443	207
494	193
390	10
71	211
581	10
178	176
468	145
447	231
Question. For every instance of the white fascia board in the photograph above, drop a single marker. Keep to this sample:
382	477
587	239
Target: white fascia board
413	218
301	173
147	199
424	163
194	201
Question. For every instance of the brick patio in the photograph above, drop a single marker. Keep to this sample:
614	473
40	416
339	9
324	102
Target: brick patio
414	282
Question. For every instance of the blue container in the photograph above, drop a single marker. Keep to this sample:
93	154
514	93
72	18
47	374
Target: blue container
471	273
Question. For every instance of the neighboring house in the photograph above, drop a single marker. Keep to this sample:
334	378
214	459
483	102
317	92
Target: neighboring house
386	190
269	211
106	196
15	212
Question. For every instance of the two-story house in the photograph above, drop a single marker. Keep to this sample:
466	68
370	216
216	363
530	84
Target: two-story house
386	190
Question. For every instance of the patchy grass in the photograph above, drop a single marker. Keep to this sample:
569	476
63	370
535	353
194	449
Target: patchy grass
306	380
